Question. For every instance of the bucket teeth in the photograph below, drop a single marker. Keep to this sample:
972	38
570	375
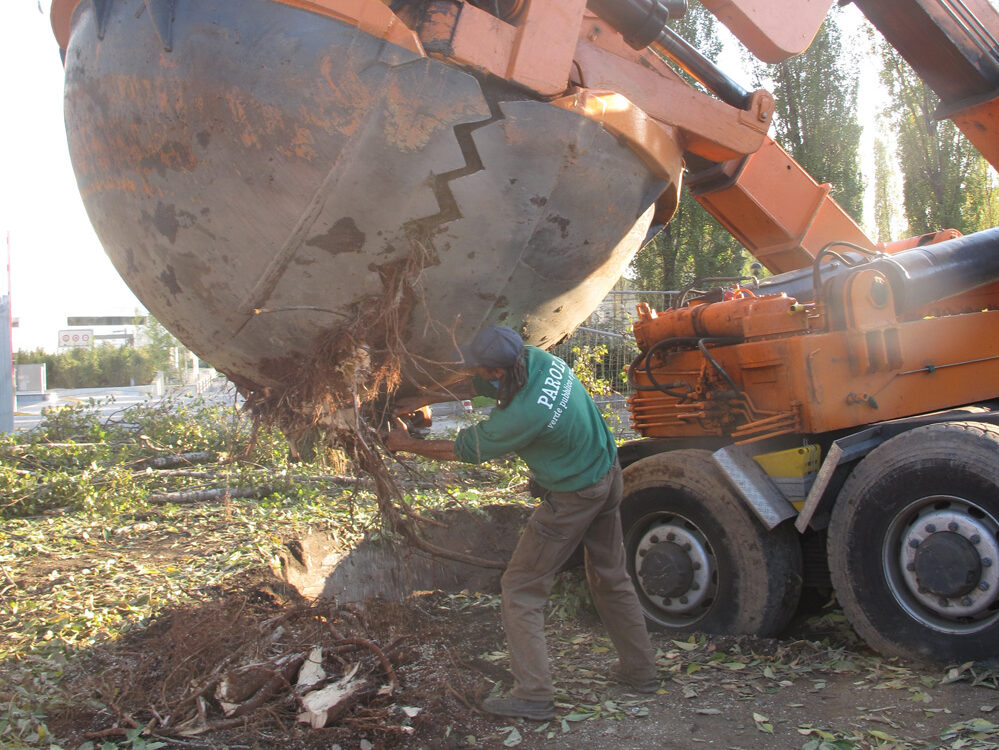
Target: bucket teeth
102	9
161	14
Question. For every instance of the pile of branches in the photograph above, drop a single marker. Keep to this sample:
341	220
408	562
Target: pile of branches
224	667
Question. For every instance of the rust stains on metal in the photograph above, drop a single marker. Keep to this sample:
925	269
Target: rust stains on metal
349	98
302	143
107	185
253	127
412	122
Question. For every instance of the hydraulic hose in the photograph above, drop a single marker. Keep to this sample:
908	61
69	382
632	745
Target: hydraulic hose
642	23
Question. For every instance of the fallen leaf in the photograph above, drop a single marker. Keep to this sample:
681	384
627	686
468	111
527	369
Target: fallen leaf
513	739
763	723
884	736
956	673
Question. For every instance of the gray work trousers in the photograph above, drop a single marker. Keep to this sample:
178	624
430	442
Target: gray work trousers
555	529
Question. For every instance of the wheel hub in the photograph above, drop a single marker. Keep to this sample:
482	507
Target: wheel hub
947	564
675	567
666	570
949	560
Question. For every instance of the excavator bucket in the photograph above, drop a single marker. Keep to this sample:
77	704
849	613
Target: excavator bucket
257	171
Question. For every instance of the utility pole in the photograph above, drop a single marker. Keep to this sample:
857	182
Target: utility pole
6	357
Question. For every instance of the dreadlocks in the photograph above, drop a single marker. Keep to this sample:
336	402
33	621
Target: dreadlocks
512	380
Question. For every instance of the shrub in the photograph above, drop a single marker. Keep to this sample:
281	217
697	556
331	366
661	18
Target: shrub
104	365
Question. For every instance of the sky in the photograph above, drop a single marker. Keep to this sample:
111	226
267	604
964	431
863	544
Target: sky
58	267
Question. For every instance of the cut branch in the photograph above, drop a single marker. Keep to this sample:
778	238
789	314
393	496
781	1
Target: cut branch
178	459
201	496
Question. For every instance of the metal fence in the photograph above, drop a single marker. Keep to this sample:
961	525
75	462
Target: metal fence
604	345
606	354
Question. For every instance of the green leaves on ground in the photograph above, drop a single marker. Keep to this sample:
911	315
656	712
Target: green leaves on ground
85	558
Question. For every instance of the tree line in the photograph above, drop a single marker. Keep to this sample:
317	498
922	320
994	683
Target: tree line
926	175
106	365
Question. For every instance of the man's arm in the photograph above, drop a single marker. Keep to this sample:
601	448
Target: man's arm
463	389
399	439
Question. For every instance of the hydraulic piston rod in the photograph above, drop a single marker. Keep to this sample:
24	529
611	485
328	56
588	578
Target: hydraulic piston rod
642	23
918	276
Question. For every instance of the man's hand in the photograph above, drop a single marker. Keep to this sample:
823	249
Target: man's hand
410	404
398	437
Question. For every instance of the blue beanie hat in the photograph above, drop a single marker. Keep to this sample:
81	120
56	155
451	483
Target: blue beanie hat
493	346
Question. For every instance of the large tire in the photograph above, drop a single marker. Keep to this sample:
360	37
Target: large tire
699	558
914	544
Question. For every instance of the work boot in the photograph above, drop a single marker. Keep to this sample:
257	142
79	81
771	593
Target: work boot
638	684
508	705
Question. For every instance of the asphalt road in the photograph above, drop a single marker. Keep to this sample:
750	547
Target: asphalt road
108	401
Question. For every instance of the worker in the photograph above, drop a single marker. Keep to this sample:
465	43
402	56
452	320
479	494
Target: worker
544	415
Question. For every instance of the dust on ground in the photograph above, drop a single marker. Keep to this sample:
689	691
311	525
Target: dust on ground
816	687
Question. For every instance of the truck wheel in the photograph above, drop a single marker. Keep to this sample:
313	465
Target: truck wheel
699	558
914	544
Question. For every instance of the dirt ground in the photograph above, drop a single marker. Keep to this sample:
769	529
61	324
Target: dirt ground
815	685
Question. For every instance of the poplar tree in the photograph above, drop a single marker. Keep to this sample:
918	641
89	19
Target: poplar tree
945	181
884	205
693	245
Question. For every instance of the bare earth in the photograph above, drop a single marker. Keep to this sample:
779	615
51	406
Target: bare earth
815	685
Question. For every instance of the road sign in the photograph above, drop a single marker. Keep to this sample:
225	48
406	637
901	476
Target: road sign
76	337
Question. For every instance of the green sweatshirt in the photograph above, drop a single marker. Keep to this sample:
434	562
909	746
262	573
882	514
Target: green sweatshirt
552	423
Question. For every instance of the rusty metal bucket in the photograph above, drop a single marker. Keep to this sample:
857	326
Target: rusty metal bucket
238	156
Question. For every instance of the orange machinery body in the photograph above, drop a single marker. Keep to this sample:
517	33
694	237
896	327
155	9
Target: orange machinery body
791	374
